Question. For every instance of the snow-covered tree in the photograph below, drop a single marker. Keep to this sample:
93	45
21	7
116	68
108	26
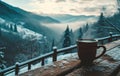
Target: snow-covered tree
15	28
80	33
11	27
2	61
86	27
20	57
101	27
67	39
101	20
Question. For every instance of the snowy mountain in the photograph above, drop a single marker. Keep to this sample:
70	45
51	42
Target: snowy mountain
31	21
22	33
16	14
17	42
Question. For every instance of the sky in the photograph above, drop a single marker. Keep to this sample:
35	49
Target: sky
74	7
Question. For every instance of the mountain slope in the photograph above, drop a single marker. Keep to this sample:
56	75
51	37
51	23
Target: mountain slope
31	21
7	13
10	12
29	28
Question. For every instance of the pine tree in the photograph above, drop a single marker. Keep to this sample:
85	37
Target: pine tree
15	28
80	34
101	20
11	27
101	27
72	37
86	27
67	40
53	44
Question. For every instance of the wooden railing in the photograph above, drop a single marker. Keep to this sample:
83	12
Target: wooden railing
54	54
108	39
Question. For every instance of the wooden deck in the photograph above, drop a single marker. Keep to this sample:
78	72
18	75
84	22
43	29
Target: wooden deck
107	65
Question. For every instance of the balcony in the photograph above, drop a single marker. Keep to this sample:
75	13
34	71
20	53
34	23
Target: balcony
107	65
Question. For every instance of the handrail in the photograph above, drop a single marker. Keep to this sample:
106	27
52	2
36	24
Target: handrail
53	54
109	38
66	49
36	59
103	38
27	62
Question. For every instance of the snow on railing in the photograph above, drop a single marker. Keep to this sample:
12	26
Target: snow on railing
16	68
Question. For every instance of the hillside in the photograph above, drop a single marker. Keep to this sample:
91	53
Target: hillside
30	37
31	21
15	13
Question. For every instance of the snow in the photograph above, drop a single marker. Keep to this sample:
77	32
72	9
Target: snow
4	30
114	53
22	31
68	56
48	62
2	20
26	33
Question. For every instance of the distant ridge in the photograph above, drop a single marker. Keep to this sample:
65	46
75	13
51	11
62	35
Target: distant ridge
8	11
71	18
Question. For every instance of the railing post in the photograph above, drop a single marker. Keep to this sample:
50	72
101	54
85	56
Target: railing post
102	42
29	66
1	74
55	53
110	39
16	68
115	38
43	62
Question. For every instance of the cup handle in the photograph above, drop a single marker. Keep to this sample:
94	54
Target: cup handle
104	50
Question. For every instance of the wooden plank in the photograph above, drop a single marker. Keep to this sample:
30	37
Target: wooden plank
52	70
104	68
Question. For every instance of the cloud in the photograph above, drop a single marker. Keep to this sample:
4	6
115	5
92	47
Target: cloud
74	10
95	9
57	1
76	7
41	1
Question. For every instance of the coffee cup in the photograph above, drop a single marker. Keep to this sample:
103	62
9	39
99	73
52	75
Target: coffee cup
87	50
